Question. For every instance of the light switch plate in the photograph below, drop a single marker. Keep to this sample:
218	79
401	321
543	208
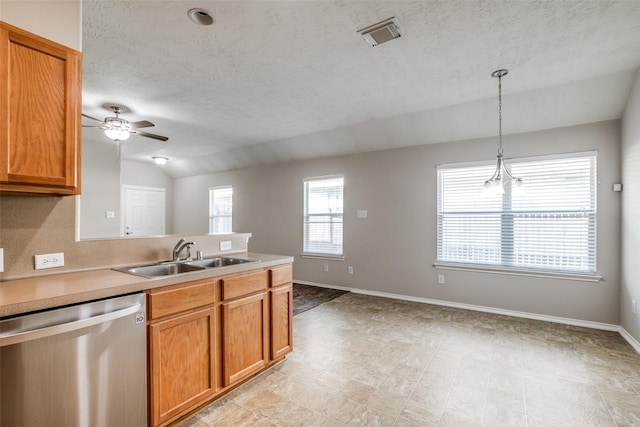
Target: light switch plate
1	260
362	213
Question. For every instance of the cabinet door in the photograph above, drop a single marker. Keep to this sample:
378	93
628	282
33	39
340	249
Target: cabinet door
40	108
245	337
182	363
281	321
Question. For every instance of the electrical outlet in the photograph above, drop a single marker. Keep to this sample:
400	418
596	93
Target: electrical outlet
225	246
49	260
1	260
440	279
350	270
325	268
110	214
634	309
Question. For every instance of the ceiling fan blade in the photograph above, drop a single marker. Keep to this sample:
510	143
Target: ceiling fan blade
150	135
92	118
92	126
140	124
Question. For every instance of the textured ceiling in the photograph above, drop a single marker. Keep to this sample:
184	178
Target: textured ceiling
286	80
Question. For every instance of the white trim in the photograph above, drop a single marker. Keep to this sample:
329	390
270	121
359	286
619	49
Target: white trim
212	191
543	317
517	272
630	339
322	256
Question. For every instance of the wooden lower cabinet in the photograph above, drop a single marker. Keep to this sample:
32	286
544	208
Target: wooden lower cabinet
183	368
245	337
281	321
208	336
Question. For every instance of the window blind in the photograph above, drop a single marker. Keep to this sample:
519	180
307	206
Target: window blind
221	209
323	216
550	227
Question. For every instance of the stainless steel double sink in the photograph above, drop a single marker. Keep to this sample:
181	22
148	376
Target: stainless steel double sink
171	268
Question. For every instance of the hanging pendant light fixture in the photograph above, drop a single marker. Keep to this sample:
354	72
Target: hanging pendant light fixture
495	184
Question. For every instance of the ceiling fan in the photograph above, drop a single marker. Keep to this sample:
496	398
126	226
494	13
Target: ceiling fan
120	129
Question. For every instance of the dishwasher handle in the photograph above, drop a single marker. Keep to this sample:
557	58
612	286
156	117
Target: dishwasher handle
24	336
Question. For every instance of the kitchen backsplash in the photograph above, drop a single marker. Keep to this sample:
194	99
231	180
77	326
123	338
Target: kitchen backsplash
40	225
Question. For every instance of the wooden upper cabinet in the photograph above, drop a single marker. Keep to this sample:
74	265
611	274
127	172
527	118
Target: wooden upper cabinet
40	114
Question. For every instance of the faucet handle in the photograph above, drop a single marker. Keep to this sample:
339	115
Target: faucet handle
177	246
198	254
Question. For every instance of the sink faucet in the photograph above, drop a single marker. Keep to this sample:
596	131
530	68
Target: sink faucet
179	247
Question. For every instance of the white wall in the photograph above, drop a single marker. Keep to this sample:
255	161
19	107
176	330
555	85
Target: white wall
393	250
630	280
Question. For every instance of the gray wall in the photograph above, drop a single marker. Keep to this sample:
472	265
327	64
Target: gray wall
102	177
393	250
100	190
630	280
59	21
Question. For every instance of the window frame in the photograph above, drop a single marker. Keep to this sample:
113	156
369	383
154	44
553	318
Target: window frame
506	212
213	216
337	215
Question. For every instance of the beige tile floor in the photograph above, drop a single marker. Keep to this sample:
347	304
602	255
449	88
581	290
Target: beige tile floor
368	361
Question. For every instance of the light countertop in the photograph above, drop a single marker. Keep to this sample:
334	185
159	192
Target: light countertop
43	292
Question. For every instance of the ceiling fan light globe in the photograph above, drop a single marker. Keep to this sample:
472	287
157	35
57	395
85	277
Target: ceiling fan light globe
117	134
159	160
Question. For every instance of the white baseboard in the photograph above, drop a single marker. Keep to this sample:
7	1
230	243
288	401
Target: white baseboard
555	319
630	339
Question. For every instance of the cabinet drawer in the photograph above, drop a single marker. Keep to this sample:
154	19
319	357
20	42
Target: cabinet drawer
281	275
244	284
170	301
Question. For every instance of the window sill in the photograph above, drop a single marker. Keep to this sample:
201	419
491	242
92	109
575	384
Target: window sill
322	256
517	272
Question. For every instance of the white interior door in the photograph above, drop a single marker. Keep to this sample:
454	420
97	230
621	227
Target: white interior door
144	211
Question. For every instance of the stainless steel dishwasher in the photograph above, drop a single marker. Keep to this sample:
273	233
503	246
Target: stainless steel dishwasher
82	365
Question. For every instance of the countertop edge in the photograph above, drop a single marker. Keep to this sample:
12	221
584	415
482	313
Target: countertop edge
65	289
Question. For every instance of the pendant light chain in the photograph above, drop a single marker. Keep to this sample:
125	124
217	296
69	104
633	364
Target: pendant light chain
500	150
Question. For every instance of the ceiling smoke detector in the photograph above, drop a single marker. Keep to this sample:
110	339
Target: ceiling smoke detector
381	32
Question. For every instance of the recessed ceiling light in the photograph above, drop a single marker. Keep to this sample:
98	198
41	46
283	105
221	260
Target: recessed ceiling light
200	16
160	160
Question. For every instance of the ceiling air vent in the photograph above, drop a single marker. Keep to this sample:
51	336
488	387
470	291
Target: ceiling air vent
381	32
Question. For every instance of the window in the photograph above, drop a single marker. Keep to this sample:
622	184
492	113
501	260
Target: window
323	216
220	209
551	227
